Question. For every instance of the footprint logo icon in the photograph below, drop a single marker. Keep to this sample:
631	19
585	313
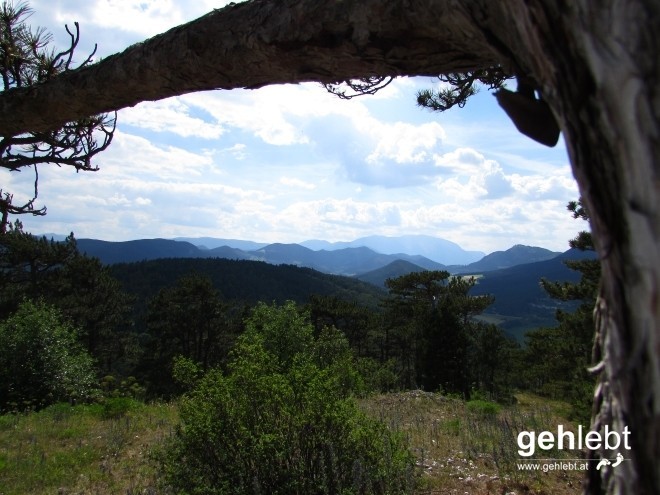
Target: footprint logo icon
607	462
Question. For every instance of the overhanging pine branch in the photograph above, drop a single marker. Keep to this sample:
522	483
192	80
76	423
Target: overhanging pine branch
259	43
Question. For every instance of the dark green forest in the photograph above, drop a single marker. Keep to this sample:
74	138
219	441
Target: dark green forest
128	323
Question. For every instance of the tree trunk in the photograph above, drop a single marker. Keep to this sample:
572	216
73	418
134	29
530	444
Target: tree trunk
596	63
598	66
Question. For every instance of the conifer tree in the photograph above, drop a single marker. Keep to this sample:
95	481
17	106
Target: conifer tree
27	60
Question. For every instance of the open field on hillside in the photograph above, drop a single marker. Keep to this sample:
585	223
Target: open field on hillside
83	450
460	447
471	447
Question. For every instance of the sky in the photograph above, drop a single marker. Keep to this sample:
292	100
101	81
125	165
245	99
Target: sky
292	162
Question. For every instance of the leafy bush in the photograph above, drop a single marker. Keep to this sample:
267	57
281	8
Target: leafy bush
483	407
379	377
41	361
282	420
117	407
129	387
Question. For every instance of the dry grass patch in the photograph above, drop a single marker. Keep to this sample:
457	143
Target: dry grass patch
471	448
460	448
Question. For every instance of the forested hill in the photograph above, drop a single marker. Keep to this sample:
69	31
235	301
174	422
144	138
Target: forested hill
520	300
249	281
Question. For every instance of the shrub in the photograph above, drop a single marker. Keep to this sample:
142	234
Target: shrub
483	407
117	407
282	421
129	387
41	361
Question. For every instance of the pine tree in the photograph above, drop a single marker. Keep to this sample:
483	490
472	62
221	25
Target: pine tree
26	60
558	358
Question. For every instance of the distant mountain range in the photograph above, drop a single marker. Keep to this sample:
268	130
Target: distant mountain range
517	255
213	242
512	276
434	248
348	259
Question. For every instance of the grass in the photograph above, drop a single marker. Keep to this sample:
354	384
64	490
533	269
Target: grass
460	447
91	449
471	447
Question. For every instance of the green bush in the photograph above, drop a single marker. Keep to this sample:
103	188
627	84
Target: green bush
116	407
129	387
41	361
282	421
483	407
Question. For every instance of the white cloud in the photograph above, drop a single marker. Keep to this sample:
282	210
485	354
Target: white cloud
545	187
136	155
460	160
293	182
238	151
405	143
291	162
170	115
326	216
263	113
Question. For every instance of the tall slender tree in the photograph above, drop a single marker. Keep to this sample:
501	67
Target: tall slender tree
559	358
429	317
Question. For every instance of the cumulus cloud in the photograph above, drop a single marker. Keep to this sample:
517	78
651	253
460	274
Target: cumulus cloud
545	187
370	150
292	162
238	151
137	154
329	213
403	142
460	160
293	182
170	115
263	113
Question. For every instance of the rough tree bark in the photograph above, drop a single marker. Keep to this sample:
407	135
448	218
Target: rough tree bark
596	63
259	43
598	66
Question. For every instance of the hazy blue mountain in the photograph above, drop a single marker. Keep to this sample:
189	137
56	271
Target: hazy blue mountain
341	261
212	243
347	261
516	255
291	254
318	245
143	249
395	269
434	248
51	236
227	252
